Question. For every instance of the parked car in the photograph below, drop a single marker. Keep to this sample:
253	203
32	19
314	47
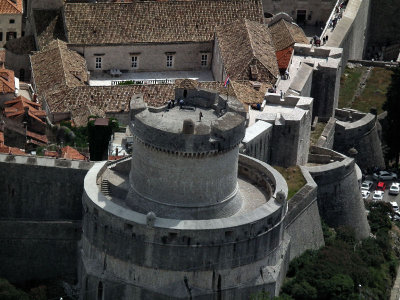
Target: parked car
396	216
365	194
366	185
384	175
381	186
394	206
378	195
394	188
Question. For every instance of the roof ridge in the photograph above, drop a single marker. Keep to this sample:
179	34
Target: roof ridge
287	28
249	36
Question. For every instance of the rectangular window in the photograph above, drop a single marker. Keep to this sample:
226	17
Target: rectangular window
170	61
204	59
12	21
98	63
11	35
135	62
1	36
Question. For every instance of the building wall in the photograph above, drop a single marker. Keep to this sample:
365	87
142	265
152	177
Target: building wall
151	57
40	217
328	134
325	90
6	26
351	31
339	198
18	62
258	146
318	10
218	68
363	136
303	222
225	257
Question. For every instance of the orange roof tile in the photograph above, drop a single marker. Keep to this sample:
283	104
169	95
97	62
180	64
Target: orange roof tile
11	7
1	138
284	56
16	107
51	153
40	137
71	153
7	84
11	150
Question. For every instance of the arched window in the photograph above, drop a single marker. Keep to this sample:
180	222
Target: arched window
100	291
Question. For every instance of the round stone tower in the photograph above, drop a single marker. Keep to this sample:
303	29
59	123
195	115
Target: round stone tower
185	216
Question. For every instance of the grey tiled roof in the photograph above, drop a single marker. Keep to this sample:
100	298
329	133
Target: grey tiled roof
154	21
244	43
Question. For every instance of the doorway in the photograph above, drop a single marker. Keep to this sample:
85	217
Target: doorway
301	17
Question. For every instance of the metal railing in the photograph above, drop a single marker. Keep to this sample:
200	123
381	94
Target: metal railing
143	82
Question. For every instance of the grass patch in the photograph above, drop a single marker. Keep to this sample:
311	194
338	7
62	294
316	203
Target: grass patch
316	133
374	94
348	85
294	178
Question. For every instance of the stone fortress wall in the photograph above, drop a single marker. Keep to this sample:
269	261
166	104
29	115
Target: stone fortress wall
350	32
40	216
327	136
303	222
211	255
359	131
339	199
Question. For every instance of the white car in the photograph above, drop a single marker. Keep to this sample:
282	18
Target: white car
366	185
365	194
384	175
378	195
394	188
395	206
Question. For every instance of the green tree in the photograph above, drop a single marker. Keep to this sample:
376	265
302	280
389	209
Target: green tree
392	106
10	292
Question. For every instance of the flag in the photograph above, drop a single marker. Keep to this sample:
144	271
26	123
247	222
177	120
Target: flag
227	81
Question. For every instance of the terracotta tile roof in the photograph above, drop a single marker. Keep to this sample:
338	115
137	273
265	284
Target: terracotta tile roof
247	51
284	56
247	94
16	107
50	153
285	34
56	69
49	26
1	138
7	84
115	157
71	153
22	45
11	150
10	7
154	21
38	137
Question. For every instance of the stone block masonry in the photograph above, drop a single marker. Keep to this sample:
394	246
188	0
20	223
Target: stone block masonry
40	217
339	198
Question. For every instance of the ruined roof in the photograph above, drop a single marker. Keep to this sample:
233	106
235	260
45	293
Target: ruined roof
7	81
154	21
243	43
56	68
10	7
285	34
49	26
